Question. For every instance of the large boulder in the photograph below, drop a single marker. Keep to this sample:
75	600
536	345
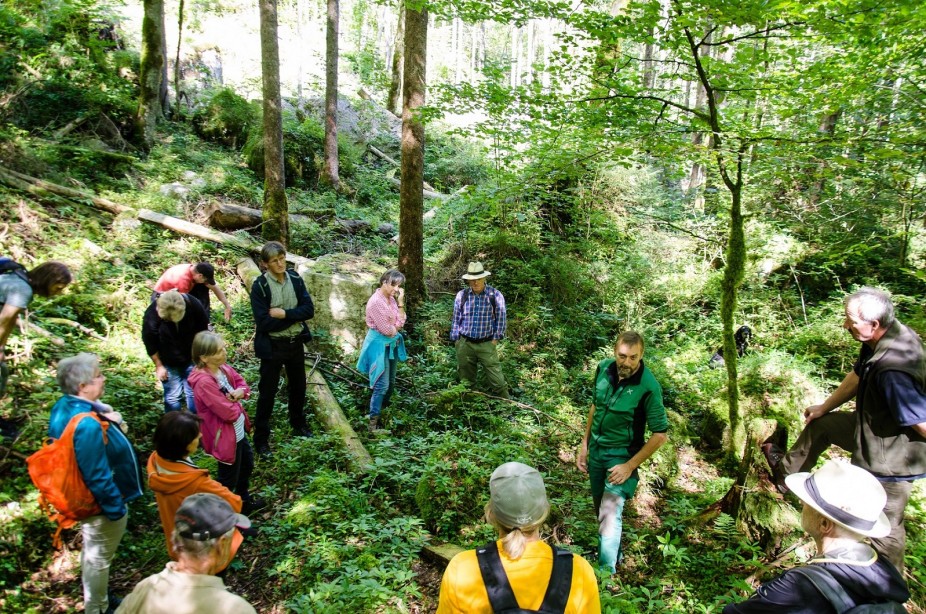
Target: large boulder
340	285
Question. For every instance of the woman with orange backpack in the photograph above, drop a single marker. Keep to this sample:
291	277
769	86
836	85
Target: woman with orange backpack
108	466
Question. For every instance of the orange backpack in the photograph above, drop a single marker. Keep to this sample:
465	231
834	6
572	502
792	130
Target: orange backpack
62	493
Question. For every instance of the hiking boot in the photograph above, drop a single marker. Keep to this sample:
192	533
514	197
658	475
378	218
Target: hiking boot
263	451
373	426
252	505
774	455
303	431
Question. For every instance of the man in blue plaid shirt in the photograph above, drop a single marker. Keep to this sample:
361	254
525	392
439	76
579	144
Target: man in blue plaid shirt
479	321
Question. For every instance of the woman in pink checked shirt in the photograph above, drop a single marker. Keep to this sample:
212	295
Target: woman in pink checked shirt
383	347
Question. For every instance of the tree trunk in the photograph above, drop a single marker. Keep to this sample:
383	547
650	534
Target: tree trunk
163	95
276	218
177	92
330	172
152	69
733	272
393	100
411	199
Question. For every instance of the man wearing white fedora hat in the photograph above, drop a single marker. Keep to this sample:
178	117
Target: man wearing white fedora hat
843	504
886	434
479	321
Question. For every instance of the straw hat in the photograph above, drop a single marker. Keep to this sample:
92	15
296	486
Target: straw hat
475	271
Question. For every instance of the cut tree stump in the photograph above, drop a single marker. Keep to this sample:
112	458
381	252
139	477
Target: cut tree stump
327	409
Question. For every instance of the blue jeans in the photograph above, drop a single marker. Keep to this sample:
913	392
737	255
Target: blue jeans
177	387
382	389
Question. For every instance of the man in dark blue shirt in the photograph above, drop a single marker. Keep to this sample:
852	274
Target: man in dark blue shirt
479	321
842	505
886	434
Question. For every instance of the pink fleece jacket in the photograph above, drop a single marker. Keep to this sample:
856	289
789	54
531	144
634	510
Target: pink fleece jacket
218	413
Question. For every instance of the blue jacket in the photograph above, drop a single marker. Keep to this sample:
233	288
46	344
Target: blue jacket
111	473
260	306
372	359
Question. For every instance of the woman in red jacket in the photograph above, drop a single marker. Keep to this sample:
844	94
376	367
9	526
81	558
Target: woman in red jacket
173	476
218	391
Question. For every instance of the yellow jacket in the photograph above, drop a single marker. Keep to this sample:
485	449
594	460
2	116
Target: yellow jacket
462	590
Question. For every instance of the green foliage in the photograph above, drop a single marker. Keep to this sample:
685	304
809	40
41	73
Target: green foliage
452	489
72	70
225	117
303	151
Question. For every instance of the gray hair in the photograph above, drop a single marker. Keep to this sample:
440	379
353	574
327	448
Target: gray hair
195	548
874	305
171	306
271	249
76	370
392	276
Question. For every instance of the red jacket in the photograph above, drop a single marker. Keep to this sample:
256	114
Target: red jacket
218	413
174	481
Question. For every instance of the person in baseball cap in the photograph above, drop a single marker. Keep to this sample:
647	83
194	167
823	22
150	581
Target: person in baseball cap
203	529
843	504
522	570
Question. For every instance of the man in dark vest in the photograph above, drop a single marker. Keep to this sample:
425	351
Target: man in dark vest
886	434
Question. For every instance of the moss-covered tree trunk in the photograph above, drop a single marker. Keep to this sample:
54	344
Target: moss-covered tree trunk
276	214
730	167
330	171
152	69
411	223
732	278
393	99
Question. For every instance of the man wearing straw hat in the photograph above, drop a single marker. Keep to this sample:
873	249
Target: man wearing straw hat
843	504
479	320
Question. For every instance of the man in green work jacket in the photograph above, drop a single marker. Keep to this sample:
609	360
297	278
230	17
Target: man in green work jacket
627	400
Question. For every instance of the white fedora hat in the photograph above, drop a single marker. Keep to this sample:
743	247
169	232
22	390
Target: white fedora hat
848	495
475	271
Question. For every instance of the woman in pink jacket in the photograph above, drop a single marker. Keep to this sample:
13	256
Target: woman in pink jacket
218	391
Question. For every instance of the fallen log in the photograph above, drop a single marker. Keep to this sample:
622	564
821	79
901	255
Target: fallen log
429	194
235	217
327	409
441	554
42	188
44	333
384	156
197	230
87	331
229	216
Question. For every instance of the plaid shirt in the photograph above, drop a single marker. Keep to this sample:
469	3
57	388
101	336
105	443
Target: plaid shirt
474	316
383	314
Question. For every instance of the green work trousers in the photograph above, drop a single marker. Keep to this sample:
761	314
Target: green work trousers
470	355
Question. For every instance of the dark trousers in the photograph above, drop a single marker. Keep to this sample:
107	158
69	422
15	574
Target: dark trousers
286	355
237	476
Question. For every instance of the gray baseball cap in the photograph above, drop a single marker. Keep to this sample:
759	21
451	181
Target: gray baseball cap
517	495
208	516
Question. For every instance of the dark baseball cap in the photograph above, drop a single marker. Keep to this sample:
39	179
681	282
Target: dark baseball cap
208	516
206	270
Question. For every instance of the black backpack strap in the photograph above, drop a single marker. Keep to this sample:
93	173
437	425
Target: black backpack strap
824	582
501	597
560	585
